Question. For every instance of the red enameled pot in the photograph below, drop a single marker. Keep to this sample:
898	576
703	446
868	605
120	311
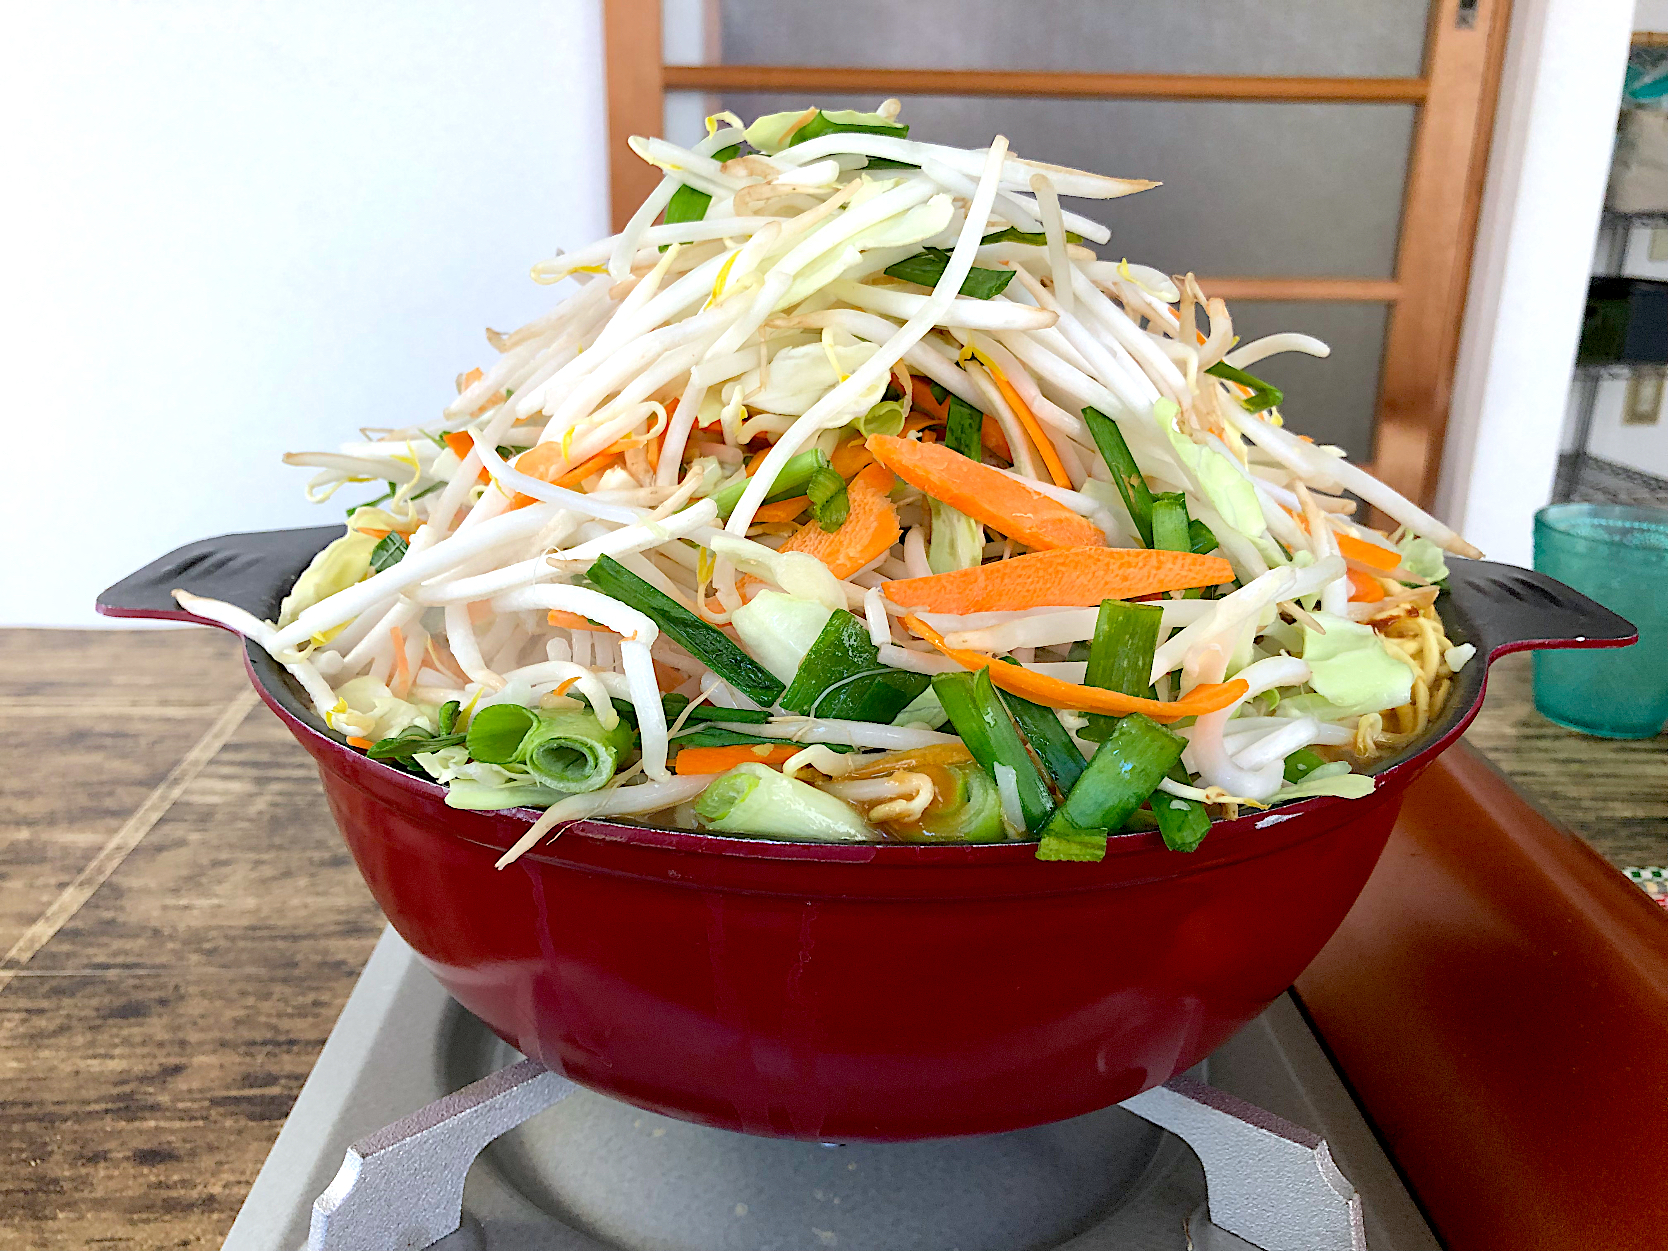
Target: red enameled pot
839	992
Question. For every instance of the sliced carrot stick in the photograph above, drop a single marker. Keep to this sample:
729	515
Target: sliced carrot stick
402	667
693	760
994	439
870	528
1363	587
355	741
1039	688
1033	427
850	458
1074	576
462	443
782	510
1369	553
573	621
985	494
469	379
920	390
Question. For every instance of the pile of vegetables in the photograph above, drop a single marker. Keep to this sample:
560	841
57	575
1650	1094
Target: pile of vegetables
849	495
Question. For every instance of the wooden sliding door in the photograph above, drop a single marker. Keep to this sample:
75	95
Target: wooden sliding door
1322	162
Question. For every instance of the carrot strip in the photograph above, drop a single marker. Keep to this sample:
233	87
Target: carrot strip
782	510
692	760
871	527
994	439
1369	553
1033	427
920	391
985	494
1363	587
1039	688
402	668
462	443
920	421
355	741
573	621
1068	576
850	458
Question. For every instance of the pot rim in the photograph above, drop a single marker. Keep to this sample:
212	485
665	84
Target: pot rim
1458	716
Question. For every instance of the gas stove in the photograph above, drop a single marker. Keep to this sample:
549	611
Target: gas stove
418	1127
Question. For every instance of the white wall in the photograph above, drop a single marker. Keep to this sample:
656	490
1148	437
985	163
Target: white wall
1547	173
233	230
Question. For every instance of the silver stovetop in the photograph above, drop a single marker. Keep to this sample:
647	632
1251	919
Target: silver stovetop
593	1173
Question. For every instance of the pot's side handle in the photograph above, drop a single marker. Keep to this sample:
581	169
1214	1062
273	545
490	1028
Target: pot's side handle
250	570
1512	609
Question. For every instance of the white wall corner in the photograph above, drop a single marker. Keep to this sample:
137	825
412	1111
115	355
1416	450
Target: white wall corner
1548	167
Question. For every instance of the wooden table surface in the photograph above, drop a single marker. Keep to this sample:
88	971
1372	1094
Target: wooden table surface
182	924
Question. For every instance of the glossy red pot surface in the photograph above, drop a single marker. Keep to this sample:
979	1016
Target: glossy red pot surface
887	991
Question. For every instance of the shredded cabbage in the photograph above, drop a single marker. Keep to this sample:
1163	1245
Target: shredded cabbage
779	629
345	561
1352	670
1421	556
1227	489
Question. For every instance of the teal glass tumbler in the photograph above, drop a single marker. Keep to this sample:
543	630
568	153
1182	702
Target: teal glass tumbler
1618	555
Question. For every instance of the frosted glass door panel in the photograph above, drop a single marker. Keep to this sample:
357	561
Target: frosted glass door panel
1332	399
1357	38
1243	193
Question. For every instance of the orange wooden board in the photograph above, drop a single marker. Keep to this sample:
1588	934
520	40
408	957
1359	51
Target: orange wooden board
1498	998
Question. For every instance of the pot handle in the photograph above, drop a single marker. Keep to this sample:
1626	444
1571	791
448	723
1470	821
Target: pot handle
251	570
1512	609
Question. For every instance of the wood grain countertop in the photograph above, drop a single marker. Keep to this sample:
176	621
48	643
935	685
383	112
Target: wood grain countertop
182	923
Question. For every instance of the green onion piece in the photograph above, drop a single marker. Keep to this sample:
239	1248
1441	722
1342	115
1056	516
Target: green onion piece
938	392
1121	656
700	640
982	720
1262	394
886	162
1063	841
841	676
1034	237
389	551
1182	823
497	731
1170	522
409	741
674	704
1300	764
1201	538
1122	774
570	751
962	431
689	205
830	502
823	124
756	800
789	483
449	716
970	813
479	797
927	267
1048	738
1173	529
886	417
1126	474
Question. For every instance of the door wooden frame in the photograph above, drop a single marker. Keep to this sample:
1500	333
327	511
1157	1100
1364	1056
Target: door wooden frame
1455	95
